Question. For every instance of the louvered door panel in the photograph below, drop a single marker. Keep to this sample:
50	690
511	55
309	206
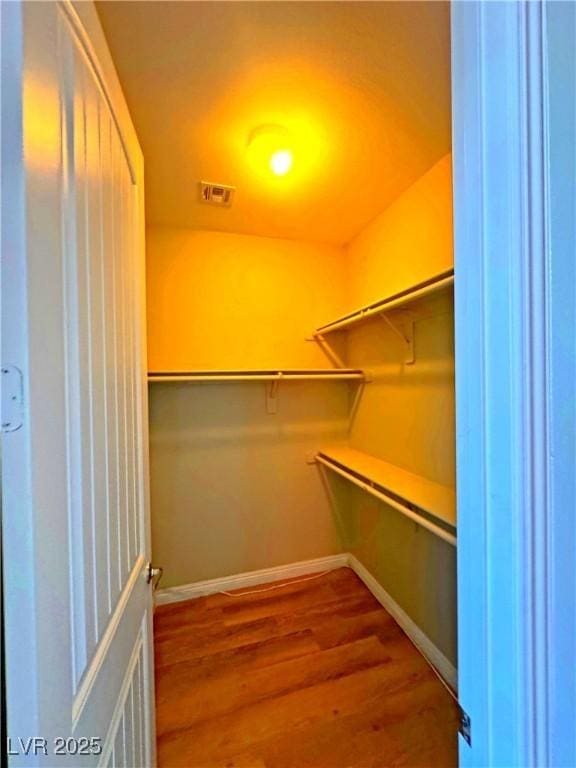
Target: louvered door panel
79	652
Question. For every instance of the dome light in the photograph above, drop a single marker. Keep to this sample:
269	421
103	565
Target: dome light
281	162
269	150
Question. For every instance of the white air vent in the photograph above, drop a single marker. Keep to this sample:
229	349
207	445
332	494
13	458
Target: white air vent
216	194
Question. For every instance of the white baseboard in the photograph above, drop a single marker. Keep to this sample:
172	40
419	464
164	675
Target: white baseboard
250	579
309	567
422	642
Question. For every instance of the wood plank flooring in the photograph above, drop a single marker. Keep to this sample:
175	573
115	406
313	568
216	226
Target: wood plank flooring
314	674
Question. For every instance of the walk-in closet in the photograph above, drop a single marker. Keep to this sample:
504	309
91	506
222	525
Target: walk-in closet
300	327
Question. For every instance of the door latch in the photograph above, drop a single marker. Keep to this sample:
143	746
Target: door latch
153	575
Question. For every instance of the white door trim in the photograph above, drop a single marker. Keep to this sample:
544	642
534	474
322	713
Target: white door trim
511	309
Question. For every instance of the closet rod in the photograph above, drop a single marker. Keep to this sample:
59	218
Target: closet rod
424	522
377	308
347	375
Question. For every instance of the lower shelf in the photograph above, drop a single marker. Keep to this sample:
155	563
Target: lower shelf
431	505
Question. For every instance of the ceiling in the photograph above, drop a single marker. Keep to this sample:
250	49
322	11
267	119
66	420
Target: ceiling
361	88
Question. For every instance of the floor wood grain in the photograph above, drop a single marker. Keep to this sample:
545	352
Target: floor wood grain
315	674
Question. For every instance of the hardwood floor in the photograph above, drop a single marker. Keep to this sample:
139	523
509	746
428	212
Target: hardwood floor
311	675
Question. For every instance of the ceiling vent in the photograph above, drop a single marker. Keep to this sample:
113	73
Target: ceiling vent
216	194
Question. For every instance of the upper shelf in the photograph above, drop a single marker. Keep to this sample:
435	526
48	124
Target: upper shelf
431	504
285	374
396	300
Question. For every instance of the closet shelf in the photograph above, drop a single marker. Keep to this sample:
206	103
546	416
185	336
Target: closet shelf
285	374
395	301
430	504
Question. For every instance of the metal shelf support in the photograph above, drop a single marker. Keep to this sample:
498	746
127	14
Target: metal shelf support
272	388
406	333
328	350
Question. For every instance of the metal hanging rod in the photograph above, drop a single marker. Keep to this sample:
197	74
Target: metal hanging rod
418	291
287	374
372	488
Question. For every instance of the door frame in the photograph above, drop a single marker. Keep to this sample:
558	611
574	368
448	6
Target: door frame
514	86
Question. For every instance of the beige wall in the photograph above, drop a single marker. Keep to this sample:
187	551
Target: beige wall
406	416
231	490
409	242
218	300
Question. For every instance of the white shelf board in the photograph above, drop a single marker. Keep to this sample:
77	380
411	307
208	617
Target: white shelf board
434	499
395	301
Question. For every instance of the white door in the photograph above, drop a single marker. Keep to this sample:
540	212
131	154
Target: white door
74	456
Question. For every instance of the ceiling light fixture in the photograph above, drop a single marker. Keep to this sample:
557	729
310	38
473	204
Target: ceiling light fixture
269	150
281	162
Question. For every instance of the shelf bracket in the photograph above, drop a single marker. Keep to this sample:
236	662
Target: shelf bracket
272	395
406	333
328	350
